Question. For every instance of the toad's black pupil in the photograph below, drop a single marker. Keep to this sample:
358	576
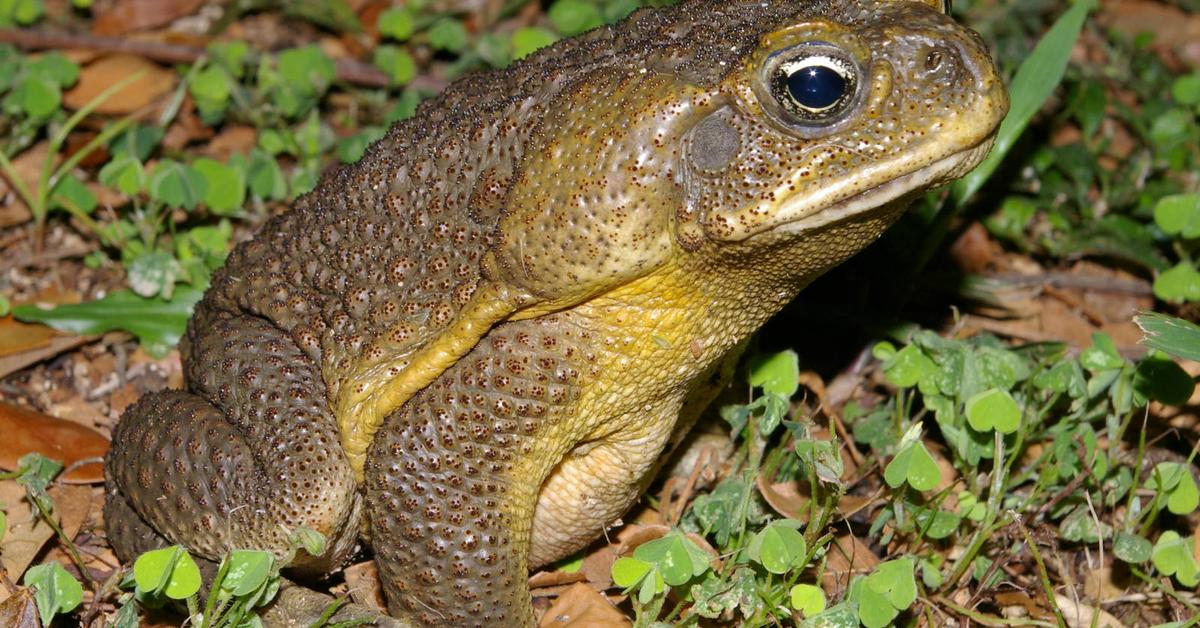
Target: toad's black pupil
816	86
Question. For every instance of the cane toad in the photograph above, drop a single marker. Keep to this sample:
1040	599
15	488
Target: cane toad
480	339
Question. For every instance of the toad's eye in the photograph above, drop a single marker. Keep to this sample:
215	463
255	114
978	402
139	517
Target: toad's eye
814	86
816	83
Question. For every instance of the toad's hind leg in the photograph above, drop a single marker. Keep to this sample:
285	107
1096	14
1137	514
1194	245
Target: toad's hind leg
241	461
452	477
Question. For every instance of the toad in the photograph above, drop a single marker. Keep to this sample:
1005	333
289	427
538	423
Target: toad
475	345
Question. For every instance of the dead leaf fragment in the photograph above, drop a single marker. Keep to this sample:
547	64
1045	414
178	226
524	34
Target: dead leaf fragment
103	73
792	500
13	362
19	610
27	431
28	168
124	16
362	580
11	213
975	250
18	337
1099	584
1019	602
580	606
71	507
1172	27
1084	616
849	556
597	566
633	535
187	127
232	140
26	533
556	578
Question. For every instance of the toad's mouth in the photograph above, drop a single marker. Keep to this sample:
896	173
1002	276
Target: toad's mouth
800	214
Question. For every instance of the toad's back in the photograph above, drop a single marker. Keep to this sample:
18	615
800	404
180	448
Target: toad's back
486	332
385	252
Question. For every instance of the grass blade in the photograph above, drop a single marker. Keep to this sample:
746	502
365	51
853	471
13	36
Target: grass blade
1170	335
1034	82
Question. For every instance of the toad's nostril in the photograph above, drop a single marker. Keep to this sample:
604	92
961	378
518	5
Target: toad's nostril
934	60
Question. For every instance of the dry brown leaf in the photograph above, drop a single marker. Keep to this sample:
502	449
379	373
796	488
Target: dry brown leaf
633	535
975	250
22	344
187	127
124	16
1052	321
28	166
1080	615
11	213
19	610
1036	305
26	534
26	431
94	158
362	580
14	362
71	506
582	606
597	566
848	556
543	579
1019	599
1172	26
791	499
106	71
1098	584
707	450
17	337
124	397
368	15
232	140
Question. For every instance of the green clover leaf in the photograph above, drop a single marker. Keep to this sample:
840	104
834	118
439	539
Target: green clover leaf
777	373
779	547
915	465
169	570
1176	481
1174	557
994	409
808	599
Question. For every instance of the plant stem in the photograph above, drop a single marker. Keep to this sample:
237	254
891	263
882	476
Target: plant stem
993	510
17	183
743	508
214	591
1043	575
1165	590
87	149
1152	509
50	175
989	620
68	544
